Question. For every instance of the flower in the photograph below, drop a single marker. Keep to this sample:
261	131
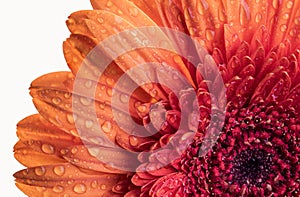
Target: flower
255	46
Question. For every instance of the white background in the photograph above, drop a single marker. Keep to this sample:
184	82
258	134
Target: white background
31	36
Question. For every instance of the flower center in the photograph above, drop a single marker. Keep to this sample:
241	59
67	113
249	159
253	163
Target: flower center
252	167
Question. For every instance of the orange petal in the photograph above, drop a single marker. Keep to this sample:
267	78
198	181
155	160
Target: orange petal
30	157
39	140
114	25
132	10
65	179
244	17
284	22
101	158
205	20
36	128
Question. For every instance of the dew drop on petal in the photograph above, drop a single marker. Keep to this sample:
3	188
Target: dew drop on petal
70	118
109	92
100	20
103	187
109	81
67	95
286	16
289	4
85	101
244	13
153	92
80	188
58	189
74	132
275	4
133	140
106	126
141	108
293	32
59	170
258	17
47	148
209	34
40	189
94	184
297	21
63	151
102	106
221	15
74	150
56	101
283	28
124	98
40	171
89	124
109	4
133	11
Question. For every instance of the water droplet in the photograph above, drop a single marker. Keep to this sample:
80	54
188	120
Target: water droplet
285	16
102	106
74	132
89	124
47	148
141	108
275	4
58	189
40	189
103	187
40	171
94	151
67	95
106	126
293	32
94	184
109	81
109	4
63	151
153	92
283	28
221	15
200	8
59	170
258	17
133	140
80	188
209	34
244	13
56	101
85	101
124	98
297	21
133	11
74	150
68	105
70	118
100	20
109	92
289	4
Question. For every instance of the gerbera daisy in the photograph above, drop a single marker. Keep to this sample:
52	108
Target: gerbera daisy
243	141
